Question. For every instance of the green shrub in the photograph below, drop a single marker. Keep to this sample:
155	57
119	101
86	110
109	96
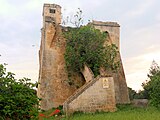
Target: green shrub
152	86
18	99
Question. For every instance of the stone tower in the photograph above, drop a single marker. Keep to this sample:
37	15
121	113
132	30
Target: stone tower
113	29
54	88
51	12
52	75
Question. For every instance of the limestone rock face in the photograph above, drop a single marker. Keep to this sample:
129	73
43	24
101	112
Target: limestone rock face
53	86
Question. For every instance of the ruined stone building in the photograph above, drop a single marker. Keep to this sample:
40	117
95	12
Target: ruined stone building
101	93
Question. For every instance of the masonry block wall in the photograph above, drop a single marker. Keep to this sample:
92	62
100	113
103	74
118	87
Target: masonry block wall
92	97
53	88
113	29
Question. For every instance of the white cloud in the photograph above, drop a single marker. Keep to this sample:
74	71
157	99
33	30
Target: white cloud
147	36
137	40
6	8
158	17
137	68
9	10
21	61
135	80
140	8
34	4
26	69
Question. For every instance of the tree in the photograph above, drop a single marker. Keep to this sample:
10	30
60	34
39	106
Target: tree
132	93
154	70
18	98
152	86
86	45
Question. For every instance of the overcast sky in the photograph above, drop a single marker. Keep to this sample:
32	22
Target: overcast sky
21	21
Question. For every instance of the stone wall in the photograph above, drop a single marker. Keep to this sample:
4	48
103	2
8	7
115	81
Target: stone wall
96	95
87	73
121	90
110	27
53	88
113	29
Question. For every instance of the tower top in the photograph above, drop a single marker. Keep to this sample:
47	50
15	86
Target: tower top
51	5
113	28
109	24
52	13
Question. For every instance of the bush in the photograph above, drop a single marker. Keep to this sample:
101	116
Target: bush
132	93
155	92
152	86
18	99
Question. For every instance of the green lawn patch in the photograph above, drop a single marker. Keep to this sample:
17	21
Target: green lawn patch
123	113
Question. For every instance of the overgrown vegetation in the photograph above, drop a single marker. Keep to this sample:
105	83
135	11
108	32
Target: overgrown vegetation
152	85
142	94
132	93
18	100
87	45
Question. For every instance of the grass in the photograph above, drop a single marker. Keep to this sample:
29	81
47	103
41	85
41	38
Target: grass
123	113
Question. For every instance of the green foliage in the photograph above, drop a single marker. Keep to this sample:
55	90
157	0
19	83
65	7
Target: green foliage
154	70
155	92
142	94
18	99
86	45
132	93
152	86
125	107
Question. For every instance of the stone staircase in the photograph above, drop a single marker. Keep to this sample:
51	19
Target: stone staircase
92	97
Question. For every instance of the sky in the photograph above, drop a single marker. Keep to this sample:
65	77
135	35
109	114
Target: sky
21	21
